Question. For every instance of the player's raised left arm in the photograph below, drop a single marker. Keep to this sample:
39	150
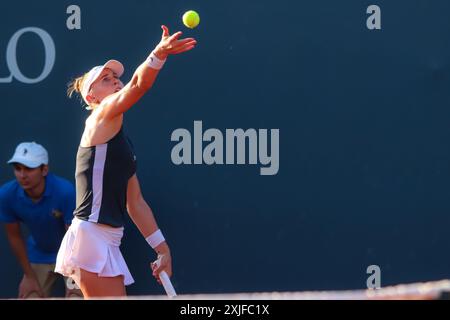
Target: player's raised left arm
145	75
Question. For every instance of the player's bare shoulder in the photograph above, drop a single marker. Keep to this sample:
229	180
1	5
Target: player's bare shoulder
99	130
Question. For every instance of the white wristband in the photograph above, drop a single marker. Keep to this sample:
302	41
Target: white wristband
154	62
155	239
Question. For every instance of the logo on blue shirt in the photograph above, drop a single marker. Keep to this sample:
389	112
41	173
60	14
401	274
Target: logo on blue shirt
57	214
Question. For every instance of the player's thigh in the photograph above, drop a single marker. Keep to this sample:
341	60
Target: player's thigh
94	286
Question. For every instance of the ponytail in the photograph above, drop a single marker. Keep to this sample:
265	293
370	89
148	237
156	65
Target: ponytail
75	86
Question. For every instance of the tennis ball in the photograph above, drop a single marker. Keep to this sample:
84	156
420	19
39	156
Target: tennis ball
191	19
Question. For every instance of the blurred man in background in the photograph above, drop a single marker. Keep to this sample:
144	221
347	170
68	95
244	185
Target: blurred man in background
44	203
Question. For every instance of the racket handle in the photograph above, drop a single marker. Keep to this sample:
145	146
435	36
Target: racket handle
167	284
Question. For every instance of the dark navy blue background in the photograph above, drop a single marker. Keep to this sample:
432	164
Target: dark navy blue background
364	131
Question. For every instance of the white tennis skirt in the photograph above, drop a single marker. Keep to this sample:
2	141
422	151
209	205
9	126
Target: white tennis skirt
92	247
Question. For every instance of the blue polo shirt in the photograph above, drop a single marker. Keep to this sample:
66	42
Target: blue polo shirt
45	219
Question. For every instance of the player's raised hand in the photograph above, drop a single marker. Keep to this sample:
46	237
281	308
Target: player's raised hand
172	44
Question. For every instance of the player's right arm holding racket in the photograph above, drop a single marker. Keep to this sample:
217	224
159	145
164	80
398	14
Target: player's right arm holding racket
142	216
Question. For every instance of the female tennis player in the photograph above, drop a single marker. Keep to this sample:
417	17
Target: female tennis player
106	182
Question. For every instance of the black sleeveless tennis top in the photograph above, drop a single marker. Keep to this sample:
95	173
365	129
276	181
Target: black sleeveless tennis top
102	174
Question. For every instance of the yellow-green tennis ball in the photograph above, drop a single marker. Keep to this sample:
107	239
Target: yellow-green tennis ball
191	19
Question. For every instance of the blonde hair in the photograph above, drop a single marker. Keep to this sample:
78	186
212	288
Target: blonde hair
76	85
